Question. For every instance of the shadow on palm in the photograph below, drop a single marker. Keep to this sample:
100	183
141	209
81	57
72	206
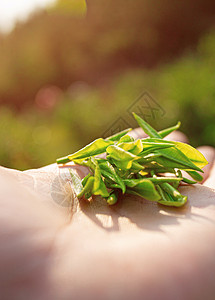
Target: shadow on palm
146	215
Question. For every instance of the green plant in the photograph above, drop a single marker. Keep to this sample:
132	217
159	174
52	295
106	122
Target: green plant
135	167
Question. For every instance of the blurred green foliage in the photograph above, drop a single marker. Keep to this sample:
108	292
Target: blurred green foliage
72	7
185	89
65	80
56	47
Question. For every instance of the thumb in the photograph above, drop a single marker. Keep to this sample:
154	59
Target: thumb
210	182
27	231
209	169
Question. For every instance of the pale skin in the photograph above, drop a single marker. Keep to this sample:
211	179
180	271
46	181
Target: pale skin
133	250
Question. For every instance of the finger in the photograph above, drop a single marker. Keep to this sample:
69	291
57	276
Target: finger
138	133
209	154
82	171
210	182
177	136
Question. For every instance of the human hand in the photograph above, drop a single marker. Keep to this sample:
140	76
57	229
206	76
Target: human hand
135	249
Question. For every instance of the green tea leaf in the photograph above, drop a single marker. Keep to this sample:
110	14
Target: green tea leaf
132	147
165	132
84	180
146	127
108	171
163	164
168	200
122	165
156	142
113	198
150	145
123	159
149	158
128	165
97	147
158	169
186	180
193	154
144	188
85	162
112	185
99	187
136	167
88	195
63	160
126	139
87	188
157	180
118	136
177	156
174	193
195	175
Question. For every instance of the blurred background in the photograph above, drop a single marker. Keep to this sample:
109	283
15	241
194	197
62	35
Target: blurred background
72	71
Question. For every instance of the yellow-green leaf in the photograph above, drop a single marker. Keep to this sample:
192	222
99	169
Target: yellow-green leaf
132	147
99	187
123	159
142	187
193	154
176	155
95	148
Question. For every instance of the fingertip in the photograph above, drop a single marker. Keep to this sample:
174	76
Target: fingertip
209	154
138	133
177	136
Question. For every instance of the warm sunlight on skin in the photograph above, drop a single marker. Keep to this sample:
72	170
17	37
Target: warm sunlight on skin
133	250
13	10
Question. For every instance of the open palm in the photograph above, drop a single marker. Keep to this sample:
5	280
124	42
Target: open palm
54	247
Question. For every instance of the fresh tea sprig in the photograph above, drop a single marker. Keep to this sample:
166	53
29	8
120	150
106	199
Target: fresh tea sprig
150	167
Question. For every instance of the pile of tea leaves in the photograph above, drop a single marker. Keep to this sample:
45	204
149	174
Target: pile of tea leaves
150	168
